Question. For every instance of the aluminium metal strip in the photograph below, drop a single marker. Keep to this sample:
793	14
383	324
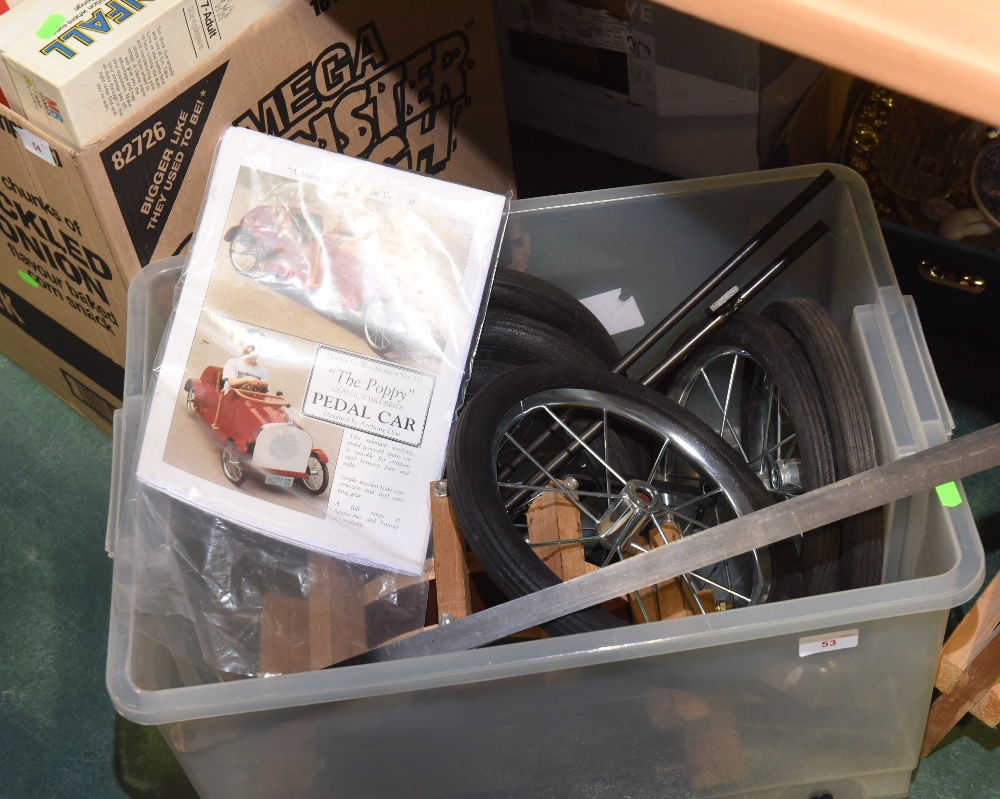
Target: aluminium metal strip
909	475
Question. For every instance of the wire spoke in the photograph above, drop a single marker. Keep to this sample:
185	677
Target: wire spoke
635	595
558	541
725	410
771	450
695	500
722	588
691	522
607	458
686	577
642	606
694	594
558	490
660	456
552	478
584	444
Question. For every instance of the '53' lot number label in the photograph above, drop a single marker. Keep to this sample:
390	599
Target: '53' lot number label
827	642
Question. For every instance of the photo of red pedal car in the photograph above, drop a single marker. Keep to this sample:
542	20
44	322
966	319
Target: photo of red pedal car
291	246
350	275
257	434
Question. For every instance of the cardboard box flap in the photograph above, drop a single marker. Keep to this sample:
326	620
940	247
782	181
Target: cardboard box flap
357	84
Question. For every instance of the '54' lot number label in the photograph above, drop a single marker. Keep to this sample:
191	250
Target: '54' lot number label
827	642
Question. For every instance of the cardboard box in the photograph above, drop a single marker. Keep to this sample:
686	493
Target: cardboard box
419	90
79	67
17	20
647	83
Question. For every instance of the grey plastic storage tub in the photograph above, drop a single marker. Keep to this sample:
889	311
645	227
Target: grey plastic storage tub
719	705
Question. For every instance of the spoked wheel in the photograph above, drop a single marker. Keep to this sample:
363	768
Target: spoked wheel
850	426
319	475
189	401
696	482
753	385
380	330
404	332
234	463
243	253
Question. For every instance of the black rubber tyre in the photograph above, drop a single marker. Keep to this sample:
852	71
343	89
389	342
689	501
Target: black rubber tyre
480	503
510	339
532	296
861	536
484	372
752	383
319	476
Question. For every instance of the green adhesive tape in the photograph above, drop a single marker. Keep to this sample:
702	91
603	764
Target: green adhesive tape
50	27
28	278
949	495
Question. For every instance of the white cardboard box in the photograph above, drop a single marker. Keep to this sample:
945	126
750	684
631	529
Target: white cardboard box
14	22
80	67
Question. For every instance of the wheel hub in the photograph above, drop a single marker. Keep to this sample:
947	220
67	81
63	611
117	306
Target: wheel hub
786	475
629	514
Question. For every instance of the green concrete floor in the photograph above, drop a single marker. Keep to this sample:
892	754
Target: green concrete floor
59	735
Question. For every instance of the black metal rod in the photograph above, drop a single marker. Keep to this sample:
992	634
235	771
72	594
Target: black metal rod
763	278
735	260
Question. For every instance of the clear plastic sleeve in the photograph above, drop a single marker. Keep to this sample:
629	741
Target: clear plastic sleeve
295	417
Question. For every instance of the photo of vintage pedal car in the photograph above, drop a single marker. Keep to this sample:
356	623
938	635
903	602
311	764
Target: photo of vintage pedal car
350	274
257	434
